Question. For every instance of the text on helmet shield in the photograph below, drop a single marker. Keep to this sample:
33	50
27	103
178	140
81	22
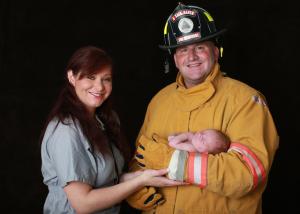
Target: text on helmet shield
181	13
188	37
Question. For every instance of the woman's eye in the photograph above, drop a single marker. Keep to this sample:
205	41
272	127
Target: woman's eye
108	79
90	77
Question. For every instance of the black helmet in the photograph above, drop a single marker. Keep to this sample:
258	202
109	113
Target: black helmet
187	25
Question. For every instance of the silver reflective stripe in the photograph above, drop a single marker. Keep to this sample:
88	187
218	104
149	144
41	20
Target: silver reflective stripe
197	169
253	162
177	165
181	165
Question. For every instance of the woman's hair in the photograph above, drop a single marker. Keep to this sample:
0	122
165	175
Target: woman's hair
88	61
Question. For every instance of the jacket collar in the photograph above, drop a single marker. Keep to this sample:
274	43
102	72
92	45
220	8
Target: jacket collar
188	99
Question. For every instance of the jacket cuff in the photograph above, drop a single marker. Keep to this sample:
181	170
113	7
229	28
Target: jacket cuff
256	167
177	165
197	169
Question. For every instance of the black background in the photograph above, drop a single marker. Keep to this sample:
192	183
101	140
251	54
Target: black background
261	49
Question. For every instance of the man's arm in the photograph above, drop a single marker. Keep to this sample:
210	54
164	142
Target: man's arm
243	168
247	163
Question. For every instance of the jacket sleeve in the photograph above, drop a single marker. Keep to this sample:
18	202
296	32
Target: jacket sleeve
146	198
247	163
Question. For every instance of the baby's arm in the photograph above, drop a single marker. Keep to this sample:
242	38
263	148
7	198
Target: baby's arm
182	141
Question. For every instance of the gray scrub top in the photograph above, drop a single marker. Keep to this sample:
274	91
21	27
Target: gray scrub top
67	156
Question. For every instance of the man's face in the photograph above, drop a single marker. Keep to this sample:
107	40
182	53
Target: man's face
196	61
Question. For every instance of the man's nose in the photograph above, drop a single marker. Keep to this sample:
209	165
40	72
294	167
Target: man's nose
192	55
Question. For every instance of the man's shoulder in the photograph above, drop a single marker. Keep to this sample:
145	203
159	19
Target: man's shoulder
167	90
237	86
238	90
164	93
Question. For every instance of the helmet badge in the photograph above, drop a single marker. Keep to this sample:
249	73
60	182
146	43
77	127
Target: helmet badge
185	25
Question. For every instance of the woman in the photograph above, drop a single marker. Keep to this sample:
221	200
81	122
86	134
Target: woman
83	150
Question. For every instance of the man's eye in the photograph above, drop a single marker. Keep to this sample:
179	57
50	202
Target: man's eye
199	47
182	50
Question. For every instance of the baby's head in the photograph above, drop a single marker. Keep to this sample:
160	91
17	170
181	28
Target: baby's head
215	140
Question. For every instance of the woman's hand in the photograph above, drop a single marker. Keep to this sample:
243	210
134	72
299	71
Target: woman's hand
156	178
85	199
150	177
130	175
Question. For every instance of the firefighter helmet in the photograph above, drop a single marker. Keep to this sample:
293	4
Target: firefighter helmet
187	25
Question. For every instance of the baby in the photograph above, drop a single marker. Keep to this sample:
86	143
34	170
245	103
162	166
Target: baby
211	141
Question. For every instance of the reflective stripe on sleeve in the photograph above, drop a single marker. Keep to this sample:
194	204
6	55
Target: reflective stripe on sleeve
177	165
255	165
197	169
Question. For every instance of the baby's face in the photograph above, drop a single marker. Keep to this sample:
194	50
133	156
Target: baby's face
207	140
206	136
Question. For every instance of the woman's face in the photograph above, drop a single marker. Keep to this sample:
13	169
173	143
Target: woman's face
92	90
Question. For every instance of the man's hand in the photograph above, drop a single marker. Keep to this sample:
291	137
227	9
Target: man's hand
145	199
153	153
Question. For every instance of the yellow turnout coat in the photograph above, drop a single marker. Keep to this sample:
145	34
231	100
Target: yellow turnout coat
232	182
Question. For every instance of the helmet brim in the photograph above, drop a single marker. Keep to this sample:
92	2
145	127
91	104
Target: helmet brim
192	41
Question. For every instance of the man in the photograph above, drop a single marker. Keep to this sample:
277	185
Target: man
201	98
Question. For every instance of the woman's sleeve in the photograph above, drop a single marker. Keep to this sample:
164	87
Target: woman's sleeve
72	158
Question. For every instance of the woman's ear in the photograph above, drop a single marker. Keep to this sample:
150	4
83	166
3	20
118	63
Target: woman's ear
71	77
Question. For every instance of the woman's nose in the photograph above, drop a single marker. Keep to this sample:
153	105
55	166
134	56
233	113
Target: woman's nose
99	85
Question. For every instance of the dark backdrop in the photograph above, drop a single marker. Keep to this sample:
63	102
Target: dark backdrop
37	38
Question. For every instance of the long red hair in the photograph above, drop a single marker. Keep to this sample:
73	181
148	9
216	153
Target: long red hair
87	61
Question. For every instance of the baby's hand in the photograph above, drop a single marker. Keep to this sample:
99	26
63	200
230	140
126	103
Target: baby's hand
170	137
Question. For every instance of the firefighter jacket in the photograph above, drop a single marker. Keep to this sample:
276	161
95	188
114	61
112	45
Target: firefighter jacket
230	182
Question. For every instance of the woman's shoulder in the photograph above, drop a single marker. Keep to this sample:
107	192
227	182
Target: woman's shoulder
64	125
67	131
62	128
